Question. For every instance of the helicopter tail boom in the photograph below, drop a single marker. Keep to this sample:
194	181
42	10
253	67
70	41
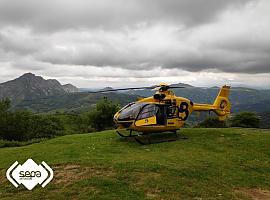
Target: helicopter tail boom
221	105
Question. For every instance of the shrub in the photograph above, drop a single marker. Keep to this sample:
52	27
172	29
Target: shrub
45	126
24	125
7	143
265	119
16	126
4	105
212	122
102	116
246	120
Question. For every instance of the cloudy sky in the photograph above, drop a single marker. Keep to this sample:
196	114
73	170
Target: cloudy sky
98	43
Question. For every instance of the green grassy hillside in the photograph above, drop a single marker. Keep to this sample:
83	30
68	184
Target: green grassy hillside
210	164
74	102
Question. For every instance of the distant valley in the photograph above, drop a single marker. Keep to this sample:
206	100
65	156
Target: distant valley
39	95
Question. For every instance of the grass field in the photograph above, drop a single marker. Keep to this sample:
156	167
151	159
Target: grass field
210	164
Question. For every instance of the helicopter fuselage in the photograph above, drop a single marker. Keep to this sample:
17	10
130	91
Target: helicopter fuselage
161	112
166	112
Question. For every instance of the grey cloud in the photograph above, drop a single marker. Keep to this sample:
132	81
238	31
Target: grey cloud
205	57
99	51
226	61
15	43
43	34
55	15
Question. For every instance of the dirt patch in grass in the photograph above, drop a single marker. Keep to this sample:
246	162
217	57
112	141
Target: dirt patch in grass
143	178
3	176
153	193
69	173
255	193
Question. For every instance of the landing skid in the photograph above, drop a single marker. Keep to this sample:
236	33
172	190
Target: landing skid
152	138
147	139
125	136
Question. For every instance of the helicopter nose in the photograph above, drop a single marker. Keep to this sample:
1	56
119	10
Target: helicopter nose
115	117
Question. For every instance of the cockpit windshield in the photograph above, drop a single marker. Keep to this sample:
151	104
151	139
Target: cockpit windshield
130	111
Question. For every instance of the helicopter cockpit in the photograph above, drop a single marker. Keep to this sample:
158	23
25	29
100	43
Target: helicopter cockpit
142	110
130	111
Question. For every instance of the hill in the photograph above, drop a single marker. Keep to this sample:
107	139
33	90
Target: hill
32	87
69	88
210	164
39	95
73	102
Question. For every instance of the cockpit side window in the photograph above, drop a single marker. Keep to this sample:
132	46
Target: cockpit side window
149	110
130	111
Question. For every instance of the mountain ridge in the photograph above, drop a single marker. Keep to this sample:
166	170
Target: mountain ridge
30	86
37	94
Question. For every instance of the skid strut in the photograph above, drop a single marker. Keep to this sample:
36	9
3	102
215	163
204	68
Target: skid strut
145	139
149	138
130	134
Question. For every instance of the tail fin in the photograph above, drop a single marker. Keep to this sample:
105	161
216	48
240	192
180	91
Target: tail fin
222	105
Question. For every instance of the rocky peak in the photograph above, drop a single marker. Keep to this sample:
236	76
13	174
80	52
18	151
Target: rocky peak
30	86
28	75
69	88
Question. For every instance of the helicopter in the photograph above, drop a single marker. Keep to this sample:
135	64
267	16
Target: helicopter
164	111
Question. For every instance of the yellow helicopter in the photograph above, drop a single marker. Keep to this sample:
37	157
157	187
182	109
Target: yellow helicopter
164	111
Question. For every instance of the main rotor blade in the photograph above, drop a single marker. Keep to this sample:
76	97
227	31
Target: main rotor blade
122	89
231	89
176	87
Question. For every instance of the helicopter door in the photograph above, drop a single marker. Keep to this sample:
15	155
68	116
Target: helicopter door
172	112
161	115
165	113
147	115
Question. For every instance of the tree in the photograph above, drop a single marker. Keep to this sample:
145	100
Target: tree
246	120
16	126
24	125
46	126
4	105
212	122
265	119
102	116
4	115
